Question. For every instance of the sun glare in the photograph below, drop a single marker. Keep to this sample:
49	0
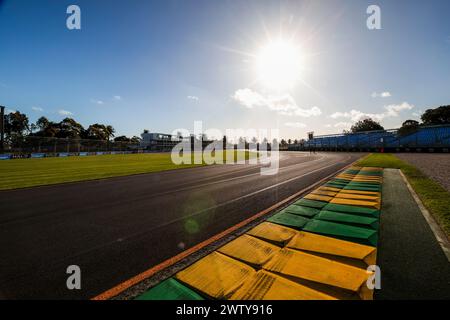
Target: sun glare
278	65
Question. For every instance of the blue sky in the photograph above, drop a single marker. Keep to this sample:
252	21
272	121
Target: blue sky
161	65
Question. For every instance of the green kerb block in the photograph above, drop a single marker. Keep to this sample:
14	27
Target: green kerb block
170	289
343	231
301	210
334	185
311	203
290	220
352	210
350	219
351	171
340	181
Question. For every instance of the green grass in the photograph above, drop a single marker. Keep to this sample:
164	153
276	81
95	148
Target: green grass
435	198
21	173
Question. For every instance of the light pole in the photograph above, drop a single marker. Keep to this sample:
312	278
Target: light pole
2	128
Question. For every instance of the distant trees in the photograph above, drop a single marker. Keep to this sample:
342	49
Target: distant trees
17	127
98	131
16	123
69	128
366	125
440	115
125	139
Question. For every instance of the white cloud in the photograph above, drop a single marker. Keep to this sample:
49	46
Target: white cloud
100	102
385	94
392	110
314	111
193	98
356	115
284	104
342	125
249	98
37	109
295	124
65	112
328	126
118	98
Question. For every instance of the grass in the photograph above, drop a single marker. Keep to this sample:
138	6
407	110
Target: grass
21	173
435	198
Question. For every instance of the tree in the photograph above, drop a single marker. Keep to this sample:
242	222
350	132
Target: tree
69	128
46	128
408	127
289	141
436	116
366	125
16	123
135	140
109	130
121	139
98	131
125	139
42	123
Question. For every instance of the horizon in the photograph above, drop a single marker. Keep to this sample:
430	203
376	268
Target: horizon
162	66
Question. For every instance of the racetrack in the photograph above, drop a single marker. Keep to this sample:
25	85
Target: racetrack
116	228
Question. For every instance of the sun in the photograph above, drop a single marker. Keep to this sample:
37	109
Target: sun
278	65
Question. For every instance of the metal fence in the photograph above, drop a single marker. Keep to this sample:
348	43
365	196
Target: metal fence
424	138
32	144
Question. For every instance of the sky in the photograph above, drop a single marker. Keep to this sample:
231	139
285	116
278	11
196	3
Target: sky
161	65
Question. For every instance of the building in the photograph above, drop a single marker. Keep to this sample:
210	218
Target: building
158	141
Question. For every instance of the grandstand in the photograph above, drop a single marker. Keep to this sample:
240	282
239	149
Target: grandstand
424	139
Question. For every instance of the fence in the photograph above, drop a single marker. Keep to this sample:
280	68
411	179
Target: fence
25	146
430	138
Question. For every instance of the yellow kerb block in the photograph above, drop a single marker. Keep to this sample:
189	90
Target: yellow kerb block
369	193
273	232
358	197
318	197
216	275
324	193
367	180
249	250
329	189
372	169
316	243
264	285
359	203
343	175
301	265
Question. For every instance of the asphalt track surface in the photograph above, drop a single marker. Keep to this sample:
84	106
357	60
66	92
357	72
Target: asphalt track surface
115	228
